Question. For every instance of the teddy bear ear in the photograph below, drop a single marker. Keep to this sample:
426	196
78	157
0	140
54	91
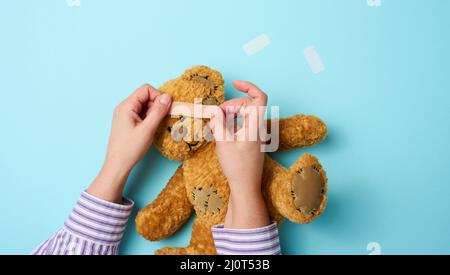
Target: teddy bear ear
208	77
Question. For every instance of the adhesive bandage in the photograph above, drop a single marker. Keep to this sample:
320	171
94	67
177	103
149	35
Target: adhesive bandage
192	110
314	60
256	45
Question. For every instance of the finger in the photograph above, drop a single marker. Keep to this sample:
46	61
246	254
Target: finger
258	96
244	101
141	98
145	93
158	110
233	108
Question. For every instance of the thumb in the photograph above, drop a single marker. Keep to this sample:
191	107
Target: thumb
158	110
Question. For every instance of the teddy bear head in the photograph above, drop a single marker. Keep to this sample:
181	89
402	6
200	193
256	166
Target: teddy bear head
199	84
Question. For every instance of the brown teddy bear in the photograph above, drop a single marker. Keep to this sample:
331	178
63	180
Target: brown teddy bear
297	193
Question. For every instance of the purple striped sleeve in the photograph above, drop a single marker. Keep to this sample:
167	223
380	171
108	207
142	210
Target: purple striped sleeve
255	241
94	227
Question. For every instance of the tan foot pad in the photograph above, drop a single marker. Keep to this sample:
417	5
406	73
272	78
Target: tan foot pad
307	190
206	199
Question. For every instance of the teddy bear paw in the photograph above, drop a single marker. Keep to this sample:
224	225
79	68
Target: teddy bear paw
308	189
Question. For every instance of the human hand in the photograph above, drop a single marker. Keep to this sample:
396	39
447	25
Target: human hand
241	158
237	146
134	125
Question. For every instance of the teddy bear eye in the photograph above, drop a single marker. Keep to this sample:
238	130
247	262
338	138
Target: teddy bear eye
169	129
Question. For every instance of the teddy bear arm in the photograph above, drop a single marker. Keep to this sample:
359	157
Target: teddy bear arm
299	131
167	212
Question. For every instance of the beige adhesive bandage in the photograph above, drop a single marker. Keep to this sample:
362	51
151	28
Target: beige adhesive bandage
192	110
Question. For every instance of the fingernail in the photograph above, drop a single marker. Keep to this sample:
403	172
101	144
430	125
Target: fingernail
165	99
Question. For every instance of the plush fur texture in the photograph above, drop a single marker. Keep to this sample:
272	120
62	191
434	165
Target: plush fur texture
199	185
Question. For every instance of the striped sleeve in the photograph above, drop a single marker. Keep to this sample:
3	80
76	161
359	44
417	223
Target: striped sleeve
256	241
95	227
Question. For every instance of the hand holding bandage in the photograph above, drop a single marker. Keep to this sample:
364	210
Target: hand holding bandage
252	109
135	122
243	149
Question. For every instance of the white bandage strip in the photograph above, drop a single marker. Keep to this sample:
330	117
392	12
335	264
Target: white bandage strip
314	60
192	110
256	44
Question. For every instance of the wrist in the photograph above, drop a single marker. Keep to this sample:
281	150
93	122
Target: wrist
115	172
243	193
109	183
248	185
252	210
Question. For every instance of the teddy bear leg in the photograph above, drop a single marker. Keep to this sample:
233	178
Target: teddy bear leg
309	187
298	194
154	222
202	242
172	251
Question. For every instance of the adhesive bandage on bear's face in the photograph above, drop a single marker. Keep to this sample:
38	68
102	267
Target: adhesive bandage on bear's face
255	130
193	110
196	110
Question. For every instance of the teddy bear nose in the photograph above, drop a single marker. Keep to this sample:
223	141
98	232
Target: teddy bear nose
193	137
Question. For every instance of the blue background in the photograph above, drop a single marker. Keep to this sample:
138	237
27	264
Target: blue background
385	96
